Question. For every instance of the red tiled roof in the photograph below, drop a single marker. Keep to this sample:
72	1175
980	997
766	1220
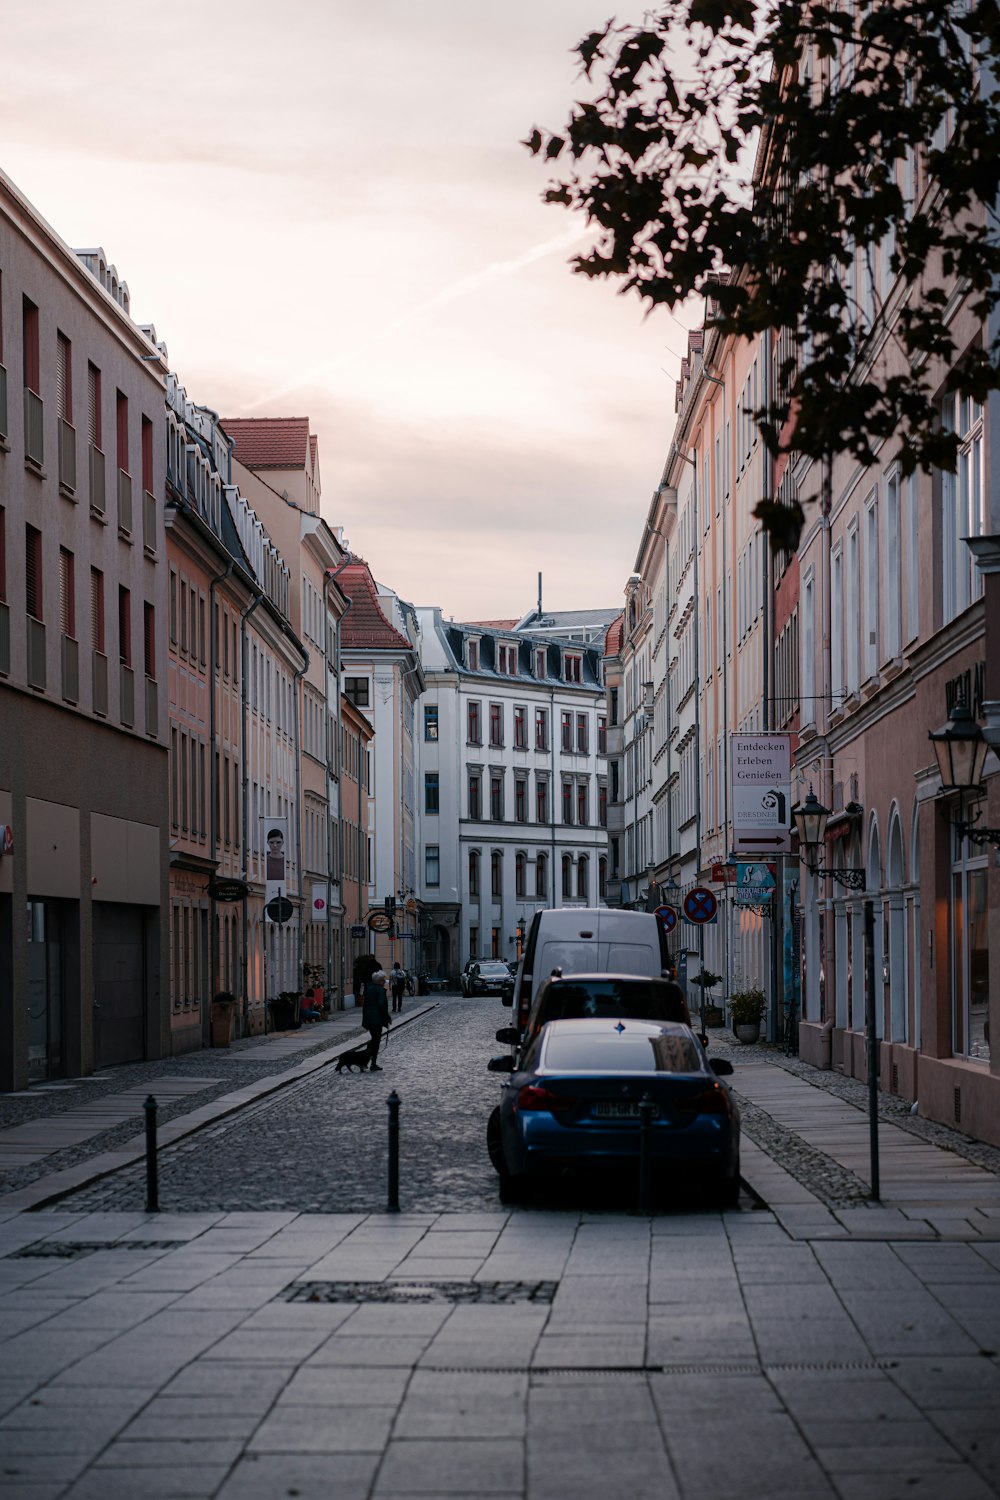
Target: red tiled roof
364	624
615	635
271	442
492	624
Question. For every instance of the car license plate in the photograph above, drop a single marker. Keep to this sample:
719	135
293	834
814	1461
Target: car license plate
620	1109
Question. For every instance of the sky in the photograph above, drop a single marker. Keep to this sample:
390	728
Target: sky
324	208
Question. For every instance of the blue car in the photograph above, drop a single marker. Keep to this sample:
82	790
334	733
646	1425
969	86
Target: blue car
573	1104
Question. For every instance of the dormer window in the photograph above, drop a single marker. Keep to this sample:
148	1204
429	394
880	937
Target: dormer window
573	667
541	662
507	660
472	655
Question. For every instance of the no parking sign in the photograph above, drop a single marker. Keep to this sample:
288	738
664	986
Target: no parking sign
700	906
668	917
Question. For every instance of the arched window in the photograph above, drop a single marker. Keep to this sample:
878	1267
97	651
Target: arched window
582	877
602	877
567	876
541	876
520	873
496	874
473	872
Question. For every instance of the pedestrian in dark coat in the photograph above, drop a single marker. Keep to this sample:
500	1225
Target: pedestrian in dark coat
375	1015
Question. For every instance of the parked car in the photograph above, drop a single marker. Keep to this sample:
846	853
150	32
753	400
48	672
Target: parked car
488	976
572	1103
587	940
570	997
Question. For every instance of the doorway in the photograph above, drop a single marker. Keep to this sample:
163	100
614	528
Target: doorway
44	992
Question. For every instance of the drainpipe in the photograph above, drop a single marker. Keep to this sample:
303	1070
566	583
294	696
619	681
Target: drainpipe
244	710
213	793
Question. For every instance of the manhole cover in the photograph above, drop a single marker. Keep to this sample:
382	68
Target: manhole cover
495	1292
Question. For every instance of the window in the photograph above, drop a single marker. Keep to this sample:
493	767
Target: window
520	799
149	640
837	630
541	801
472	655
431	792
541	877
970	959
602	735
121	431
602	878
507	660
613	704
473	942
566	739
602	803
432	865
520	727
573	667
962	509
567	802
475	795
541	729
496	874
852	617
147	455
33	572
567	877
582	877
494	942
892	610
541	663
582	734
475	724
67	593
615	858
520	874
582	800
615	766
94	405
496	724
912	561
496	797
357	690
64	377
30	348
97	610
430	721
474	872
124	627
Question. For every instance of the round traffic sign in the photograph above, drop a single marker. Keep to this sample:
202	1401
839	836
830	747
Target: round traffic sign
700	905
280	909
668	917
379	921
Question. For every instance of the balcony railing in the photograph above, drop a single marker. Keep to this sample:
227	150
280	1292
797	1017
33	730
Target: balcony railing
148	521
127	696
36	654
70	669
34	434
98	495
124	502
3	403
4	639
100	683
67	455
152	707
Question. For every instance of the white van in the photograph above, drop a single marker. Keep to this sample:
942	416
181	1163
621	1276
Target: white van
587	940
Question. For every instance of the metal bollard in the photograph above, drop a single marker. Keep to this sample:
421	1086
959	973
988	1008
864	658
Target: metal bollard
393	1203
645	1153
152	1187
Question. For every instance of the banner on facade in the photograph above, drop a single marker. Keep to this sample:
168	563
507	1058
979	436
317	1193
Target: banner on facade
762	793
755	884
274	838
320	902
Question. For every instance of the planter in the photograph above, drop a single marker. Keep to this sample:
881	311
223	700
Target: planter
748	1033
713	1015
222	1022
284	1014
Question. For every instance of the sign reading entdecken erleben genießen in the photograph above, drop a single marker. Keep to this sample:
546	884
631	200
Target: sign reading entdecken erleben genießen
761	786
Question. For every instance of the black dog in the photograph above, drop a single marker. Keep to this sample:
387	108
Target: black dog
357	1057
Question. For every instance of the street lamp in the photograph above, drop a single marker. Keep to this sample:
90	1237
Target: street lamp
811	818
961	749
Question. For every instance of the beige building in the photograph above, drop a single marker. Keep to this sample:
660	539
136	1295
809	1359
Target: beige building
83	753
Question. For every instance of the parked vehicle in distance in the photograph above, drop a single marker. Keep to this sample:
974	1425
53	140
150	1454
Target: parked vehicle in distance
572	1104
488	976
587	940
565	997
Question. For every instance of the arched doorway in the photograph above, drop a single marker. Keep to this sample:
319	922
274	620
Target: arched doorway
439	953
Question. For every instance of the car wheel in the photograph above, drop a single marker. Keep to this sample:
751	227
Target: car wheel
727	1190
493	1145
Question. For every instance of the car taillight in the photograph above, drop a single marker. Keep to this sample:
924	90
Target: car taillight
711	1101
534	1097
524	1002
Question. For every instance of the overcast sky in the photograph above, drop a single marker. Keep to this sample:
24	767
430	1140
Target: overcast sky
324	209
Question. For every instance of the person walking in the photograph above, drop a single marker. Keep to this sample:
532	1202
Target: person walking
375	1015
397	984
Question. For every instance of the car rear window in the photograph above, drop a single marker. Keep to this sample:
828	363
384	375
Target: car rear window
575	999
635	1052
495	967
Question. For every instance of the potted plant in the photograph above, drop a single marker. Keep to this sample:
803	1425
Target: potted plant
285	1011
711	1014
746	1008
223	1007
313	981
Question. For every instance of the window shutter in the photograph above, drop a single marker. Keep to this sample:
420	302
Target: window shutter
97	609
33	571
67	602
94	405
121	414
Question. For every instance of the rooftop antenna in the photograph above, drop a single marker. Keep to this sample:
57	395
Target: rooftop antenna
539	596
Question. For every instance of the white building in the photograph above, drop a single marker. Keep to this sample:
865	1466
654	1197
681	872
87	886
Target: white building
511	785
